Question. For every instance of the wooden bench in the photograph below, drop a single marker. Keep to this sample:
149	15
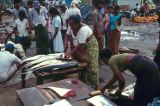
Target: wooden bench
39	95
43	75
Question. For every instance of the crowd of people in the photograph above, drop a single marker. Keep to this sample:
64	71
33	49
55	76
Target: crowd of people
61	29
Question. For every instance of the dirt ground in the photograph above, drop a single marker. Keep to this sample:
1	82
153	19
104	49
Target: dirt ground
146	42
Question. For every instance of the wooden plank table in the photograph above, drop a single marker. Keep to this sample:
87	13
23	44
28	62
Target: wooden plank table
43	75
39	95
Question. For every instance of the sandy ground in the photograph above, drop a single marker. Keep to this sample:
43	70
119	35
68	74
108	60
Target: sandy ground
146	42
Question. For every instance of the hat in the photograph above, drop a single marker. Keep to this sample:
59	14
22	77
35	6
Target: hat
9	47
36	4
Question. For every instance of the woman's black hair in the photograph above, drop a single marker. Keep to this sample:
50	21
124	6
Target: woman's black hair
117	7
105	53
75	19
53	11
30	2
17	1
22	14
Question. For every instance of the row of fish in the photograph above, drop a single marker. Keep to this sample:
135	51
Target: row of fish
47	62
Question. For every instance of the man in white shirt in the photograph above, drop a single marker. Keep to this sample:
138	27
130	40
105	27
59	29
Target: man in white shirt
8	62
39	18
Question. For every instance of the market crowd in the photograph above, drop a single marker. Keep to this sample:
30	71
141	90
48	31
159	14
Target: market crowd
61	29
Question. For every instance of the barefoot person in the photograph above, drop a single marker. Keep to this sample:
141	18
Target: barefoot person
144	69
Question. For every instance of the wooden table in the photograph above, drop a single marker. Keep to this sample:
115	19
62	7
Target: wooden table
38	96
43	75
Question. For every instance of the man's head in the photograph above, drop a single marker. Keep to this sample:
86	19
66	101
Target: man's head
36	4
116	9
105	54
21	15
9	47
74	22
17	3
30	4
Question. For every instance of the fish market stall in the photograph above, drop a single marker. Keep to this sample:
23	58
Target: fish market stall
49	66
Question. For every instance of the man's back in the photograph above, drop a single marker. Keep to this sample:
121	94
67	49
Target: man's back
7	59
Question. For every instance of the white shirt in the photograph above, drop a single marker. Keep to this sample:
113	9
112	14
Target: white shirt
82	35
64	21
72	11
39	18
21	27
6	60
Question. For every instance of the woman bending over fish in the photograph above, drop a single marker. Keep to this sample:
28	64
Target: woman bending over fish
144	69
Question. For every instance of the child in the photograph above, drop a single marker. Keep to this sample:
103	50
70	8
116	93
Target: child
21	30
56	26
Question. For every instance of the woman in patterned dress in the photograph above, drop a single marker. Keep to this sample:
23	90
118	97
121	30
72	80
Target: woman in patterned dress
85	50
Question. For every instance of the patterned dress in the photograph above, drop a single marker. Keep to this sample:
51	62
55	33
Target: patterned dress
91	76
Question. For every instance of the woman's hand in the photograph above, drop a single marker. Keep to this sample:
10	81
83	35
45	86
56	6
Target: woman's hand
67	55
102	90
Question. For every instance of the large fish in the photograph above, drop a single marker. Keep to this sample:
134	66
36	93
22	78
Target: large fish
33	58
52	64
42	59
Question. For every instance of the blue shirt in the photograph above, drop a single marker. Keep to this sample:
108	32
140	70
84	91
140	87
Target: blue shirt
113	20
16	12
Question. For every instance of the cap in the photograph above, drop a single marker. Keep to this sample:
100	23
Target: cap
9	46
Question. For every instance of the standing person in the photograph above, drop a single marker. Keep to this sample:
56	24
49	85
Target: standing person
86	49
73	10
144	69
30	5
63	15
1	8
21	29
18	7
114	36
138	9
56	26
157	56
98	27
8	60
106	21
39	18
146	9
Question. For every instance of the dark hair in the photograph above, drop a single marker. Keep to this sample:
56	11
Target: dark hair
116	8
63	8
75	19
105	53
30	2
17	1
22	14
53	11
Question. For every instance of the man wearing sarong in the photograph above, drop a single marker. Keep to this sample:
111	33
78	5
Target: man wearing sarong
114	36
39	18
98	27
145	70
